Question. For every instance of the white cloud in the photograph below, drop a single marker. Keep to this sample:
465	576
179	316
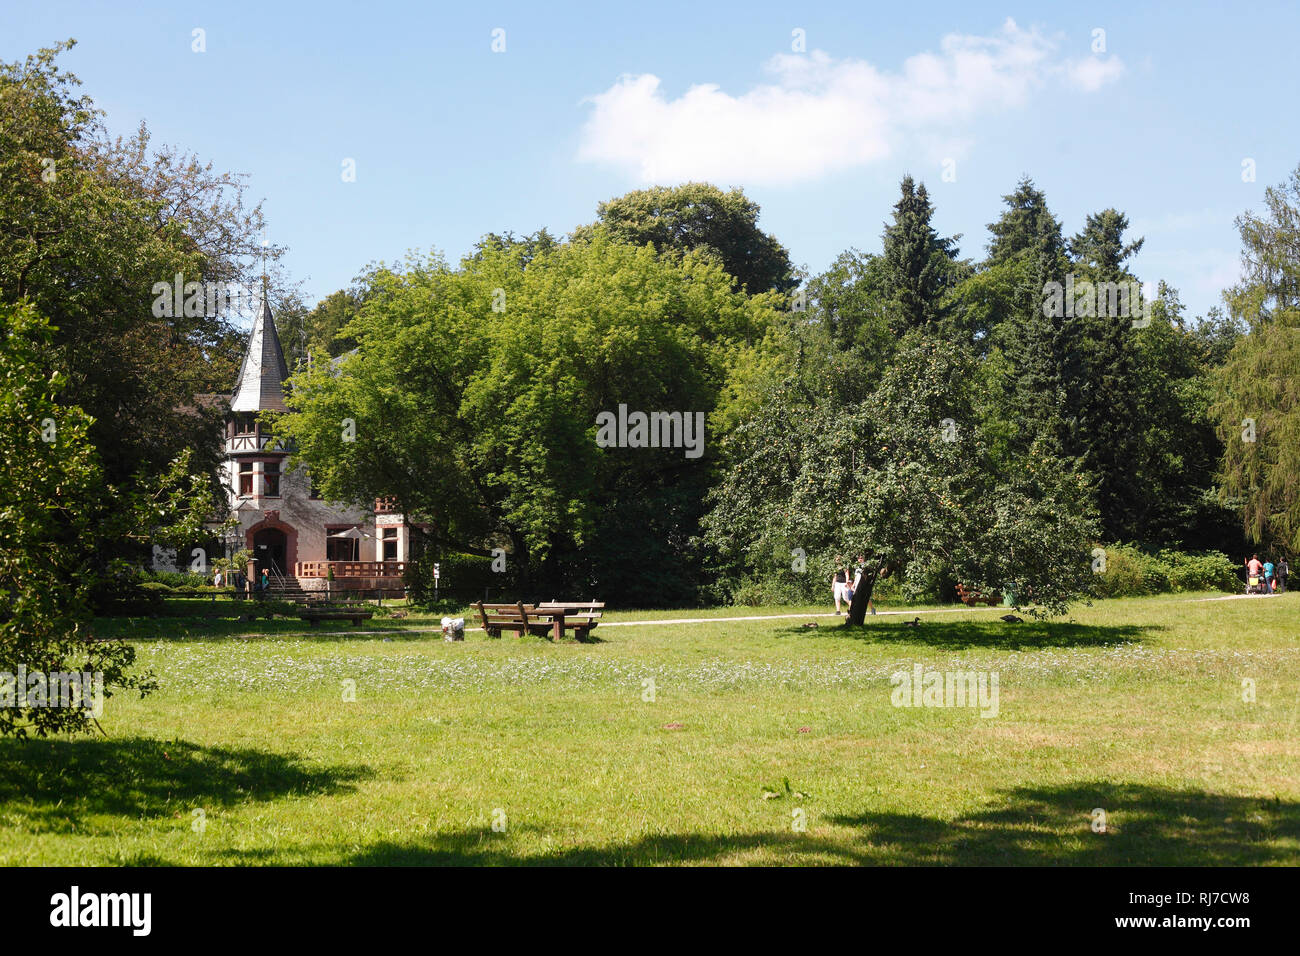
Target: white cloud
819	114
1091	73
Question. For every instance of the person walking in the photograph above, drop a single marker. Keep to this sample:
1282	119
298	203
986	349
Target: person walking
1268	577
1282	571
1254	573
839	581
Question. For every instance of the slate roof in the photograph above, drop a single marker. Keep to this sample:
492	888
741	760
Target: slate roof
263	372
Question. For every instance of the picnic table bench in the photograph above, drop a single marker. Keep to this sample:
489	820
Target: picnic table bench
356	616
553	618
970	597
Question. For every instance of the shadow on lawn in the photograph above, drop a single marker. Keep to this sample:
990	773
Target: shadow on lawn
54	785
998	635
149	630
1029	827
1053	825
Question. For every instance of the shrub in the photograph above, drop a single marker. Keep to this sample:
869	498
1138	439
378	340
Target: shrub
1128	573
462	578
175	579
753	594
1131	572
1206	571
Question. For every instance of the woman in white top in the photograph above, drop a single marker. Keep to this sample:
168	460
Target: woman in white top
839	581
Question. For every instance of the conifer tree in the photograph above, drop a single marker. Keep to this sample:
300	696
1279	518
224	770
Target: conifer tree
920	266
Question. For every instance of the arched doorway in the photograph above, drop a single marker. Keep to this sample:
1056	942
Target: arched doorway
270	550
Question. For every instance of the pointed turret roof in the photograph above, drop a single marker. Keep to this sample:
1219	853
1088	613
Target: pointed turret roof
262	375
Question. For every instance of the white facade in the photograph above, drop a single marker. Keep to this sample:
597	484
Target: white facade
287	529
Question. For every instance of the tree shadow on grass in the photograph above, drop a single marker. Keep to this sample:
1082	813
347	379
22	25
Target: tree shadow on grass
196	630
56	785
485	848
1028	826
996	635
1144	825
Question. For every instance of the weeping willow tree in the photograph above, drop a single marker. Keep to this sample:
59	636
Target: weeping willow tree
1257	407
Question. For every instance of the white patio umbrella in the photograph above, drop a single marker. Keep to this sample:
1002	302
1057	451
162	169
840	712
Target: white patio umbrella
351	534
354	532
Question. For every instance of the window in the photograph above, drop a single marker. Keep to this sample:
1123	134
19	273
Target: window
245	479
244	423
390	544
271	479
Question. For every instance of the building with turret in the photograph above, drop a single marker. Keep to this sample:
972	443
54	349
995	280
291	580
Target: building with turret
289	529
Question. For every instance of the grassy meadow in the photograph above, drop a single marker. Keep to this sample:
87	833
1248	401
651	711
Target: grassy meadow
724	742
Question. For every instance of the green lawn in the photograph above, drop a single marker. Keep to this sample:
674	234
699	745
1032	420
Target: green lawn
1133	707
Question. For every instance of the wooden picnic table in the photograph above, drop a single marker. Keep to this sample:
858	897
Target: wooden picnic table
553	617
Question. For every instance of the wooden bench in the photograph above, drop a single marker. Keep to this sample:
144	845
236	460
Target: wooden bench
970	597
553	618
313	615
519	617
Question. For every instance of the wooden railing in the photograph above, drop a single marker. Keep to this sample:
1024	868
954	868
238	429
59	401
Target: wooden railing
350	569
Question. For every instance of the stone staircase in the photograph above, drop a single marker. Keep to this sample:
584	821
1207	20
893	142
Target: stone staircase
287	589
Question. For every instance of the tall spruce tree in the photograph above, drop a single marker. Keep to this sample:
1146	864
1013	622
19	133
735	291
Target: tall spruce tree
1026	227
1103	396
920	266
1026	255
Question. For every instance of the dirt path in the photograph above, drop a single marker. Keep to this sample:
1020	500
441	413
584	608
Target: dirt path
786	617
911	612
683	620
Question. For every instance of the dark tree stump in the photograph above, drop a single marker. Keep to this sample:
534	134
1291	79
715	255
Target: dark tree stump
862	596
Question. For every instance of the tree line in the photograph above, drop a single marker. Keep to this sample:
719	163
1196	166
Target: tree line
954	417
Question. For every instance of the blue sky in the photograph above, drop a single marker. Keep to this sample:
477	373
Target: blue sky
452	140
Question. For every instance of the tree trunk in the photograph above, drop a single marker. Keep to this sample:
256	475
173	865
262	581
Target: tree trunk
862	596
521	558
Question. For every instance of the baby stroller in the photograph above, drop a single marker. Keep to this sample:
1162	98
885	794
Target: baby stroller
1255	584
